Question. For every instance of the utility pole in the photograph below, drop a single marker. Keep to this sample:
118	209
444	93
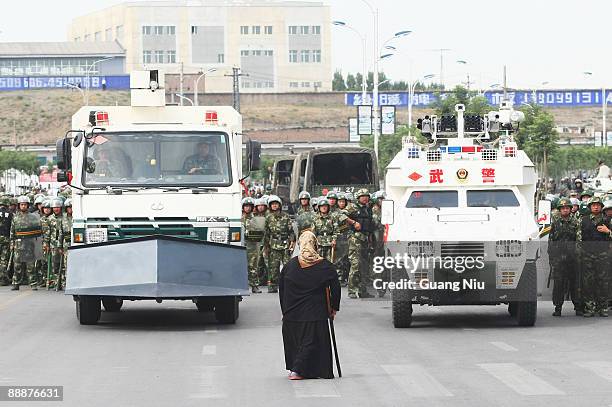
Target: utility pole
181	85
505	85
236	86
442	51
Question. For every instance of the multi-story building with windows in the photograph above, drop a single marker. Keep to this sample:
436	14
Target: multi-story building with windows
280	46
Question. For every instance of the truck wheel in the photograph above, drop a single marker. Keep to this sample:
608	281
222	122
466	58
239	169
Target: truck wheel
402	313
88	309
512	305
527	307
226	310
204	306
112	304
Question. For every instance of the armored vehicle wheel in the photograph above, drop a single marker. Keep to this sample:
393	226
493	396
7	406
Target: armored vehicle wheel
204	306
112	304
527	308
401	311
512	309
226	310
88	309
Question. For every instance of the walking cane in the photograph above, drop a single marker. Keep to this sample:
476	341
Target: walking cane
333	332
59	273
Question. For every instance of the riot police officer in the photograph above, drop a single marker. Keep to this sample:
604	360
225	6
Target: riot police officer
279	240
25	231
324	230
360	220
305	214
253	233
6	218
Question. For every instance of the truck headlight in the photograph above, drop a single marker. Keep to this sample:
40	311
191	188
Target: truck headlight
508	248
413	249
96	235
217	235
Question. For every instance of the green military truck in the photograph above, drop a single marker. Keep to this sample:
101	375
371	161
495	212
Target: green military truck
321	170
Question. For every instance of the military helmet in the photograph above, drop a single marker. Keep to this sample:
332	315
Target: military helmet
260	201
304	195
332	195
68	203
564	202
586	192
274	198
323	201
381	194
265	198
39	199
575	201
46	203
607	204
23	199
577	180
341	195
247	200
593	200
5	200
314	201
56	203
362	192
268	188
13	201
349	196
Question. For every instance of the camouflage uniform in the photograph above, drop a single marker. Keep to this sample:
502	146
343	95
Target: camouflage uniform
358	248
25	228
5	233
253	233
564	267
304	218
65	239
325	231
594	251
343	233
278	237
41	265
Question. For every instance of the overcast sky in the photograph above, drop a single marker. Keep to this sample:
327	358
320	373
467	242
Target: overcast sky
540	41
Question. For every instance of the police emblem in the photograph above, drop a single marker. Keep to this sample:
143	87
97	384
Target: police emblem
462	175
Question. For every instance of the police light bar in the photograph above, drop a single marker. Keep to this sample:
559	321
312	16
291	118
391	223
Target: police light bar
211	117
459	149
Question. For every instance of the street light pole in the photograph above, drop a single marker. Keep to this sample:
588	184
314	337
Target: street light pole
71	86
197	82
87	77
364	73
411	88
181	97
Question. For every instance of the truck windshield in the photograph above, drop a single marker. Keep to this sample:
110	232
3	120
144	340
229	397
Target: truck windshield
433	199
342	169
158	158
493	198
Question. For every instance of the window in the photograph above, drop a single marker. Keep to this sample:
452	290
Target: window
268	53
433	199
146	30
304	29
147	57
268	29
77	39
316	29
244	53
194	29
244	29
98	36
246	84
256	53
293	30
108	34
293	84
171	30
258	84
256	29
492	198
269	84
342	169
293	55
305	84
318	84
305	56
221	58
158	30
86	37
159	57
316	55
171	57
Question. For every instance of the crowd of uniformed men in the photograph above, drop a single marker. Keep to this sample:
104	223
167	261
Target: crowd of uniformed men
347	227
35	233
579	249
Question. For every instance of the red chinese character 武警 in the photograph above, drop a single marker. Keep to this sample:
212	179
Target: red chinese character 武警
488	175
435	176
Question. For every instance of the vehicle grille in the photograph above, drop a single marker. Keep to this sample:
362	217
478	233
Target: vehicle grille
462	249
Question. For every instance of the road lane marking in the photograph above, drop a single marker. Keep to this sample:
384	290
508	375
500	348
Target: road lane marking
415	381
600	368
519	379
16	298
211	330
314	388
209	350
504	346
211	384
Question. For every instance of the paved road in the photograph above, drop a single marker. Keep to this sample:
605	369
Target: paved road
170	355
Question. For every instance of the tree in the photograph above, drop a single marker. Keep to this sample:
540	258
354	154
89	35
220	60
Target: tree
351	83
338	84
359	81
389	146
19	160
538	137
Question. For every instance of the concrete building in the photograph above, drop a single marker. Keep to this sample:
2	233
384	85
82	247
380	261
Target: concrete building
283	46
61	59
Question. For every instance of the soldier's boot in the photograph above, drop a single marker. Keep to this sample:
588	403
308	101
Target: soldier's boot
272	288
579	312
602	310
588	310
353	295
255	290
557	312
15	287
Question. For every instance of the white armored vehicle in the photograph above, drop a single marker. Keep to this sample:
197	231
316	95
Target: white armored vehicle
156	203
459	217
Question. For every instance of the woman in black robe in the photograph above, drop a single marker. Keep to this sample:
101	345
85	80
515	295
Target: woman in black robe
302	290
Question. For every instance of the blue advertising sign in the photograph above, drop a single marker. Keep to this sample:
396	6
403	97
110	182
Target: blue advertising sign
550	98
46	82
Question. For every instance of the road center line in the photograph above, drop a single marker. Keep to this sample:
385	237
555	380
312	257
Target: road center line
504	346
600	368
415	381
208	350
211	384
314	388
520	380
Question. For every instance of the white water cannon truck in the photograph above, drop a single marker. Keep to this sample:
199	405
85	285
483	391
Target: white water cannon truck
156	203
459	217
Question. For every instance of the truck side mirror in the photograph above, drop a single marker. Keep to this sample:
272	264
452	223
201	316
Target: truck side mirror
387	213
64	155
254	155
